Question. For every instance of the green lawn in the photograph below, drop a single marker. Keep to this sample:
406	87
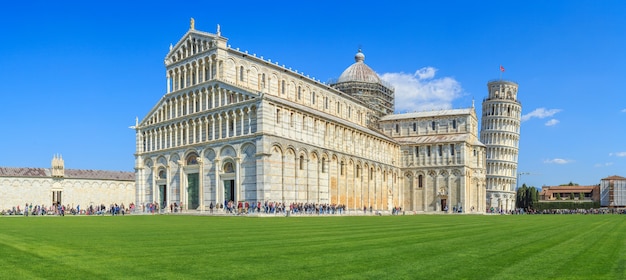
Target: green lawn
389	247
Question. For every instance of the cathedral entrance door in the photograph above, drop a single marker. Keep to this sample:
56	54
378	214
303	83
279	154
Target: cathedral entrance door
444	206
229	191
163	196
193	195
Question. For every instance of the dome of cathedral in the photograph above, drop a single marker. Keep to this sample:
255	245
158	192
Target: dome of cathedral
359	72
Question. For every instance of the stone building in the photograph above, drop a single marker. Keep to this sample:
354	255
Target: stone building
233	126
613	192
580	193
48	186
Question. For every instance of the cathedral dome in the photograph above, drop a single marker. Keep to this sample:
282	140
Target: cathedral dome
359	72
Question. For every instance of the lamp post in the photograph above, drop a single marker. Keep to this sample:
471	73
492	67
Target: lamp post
518	176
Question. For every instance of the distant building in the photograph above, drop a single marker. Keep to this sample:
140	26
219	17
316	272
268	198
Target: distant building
613	192
49	186
553	193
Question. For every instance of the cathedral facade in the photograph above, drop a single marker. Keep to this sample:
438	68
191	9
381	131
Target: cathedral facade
232	126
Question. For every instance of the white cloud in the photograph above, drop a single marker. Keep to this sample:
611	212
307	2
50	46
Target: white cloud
558	161
603	164
426	73
552	122
618	154
540	113
421	91
623	111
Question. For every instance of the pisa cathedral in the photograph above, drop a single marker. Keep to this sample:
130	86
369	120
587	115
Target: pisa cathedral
232	126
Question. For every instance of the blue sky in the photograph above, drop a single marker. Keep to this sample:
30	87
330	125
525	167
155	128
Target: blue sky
74	75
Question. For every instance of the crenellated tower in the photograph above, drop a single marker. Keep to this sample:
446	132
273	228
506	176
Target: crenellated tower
58	166
500	131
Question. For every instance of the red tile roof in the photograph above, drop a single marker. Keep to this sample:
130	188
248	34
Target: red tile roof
69	173
614	177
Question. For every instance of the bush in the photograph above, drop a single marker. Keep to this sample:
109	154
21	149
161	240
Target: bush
568	204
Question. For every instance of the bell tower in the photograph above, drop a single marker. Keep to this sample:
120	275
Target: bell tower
500	132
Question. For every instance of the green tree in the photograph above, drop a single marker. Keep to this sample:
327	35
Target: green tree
526	197
558	196
534	198
571	196
581	196
521	197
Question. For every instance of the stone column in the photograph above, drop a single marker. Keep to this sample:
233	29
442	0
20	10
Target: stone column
241	122
201	181
238	189
219	126
250	120
193	134
449	193
319	171
168	186
153	182
219	96
182	185
168	81
188	111
201	73
219	187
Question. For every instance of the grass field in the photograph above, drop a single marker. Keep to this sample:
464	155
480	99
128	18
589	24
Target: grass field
388	247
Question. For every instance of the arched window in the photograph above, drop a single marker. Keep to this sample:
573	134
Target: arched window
282	87
301	162
420	181
299	92
313	98
162	174
241	73
263	80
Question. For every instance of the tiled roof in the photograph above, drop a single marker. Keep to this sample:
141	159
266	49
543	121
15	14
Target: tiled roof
99	174
429	139
69	173
24	172
424	114
614	177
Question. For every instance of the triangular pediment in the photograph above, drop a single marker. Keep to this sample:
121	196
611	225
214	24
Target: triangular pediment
193	42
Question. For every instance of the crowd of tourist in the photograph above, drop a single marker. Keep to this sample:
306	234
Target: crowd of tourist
521	211
62	210
244	208
273	207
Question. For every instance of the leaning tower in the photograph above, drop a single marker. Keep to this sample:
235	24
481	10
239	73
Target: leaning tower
500	131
